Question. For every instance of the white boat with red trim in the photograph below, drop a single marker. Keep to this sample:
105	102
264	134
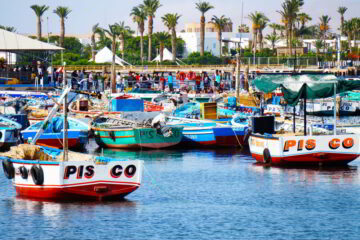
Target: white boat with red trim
40	172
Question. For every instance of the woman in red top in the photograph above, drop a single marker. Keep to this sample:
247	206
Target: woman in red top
198	82
162	82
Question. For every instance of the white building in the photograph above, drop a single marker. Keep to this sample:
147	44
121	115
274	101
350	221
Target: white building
211	44
10	58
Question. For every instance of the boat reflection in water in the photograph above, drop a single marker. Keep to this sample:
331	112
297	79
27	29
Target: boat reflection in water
57	209
175	154
310	175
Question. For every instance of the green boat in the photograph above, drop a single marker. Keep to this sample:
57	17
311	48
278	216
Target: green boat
137	138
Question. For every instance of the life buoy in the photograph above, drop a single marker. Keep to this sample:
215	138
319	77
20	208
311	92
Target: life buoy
267	156
23	172
9	169
37	175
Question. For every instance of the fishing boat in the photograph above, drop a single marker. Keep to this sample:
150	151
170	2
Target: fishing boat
303	148
9	133
53	133
121	133
205	133
47	173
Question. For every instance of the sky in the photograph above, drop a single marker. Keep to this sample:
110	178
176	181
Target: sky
86	13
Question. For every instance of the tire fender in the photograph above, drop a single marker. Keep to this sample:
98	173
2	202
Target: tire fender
37	174
267	156
9	169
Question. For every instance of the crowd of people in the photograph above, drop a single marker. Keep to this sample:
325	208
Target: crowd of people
163	81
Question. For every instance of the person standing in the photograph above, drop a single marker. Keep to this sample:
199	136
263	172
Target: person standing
171	82
118	82
156	81
162	82
197	82
90	81
217	79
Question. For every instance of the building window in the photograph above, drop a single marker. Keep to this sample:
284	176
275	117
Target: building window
214	45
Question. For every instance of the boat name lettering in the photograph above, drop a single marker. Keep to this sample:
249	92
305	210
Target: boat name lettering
347	143
71	169
309	144
257	143
150	134
117	170
130	171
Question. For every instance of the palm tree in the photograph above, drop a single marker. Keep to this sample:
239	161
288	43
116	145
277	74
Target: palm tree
62	12
123	31
243	28
113	32
203	7
95	30
220	24
290	9
255	18
139	16
170	21
303	18
161	37
281	29
273	38
39	11
342	11
150	7
274	27
348	28
263	24
318	44
355	28
324	27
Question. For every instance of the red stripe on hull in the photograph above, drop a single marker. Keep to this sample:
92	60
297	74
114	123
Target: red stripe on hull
311	158
94	191
199	144
58	143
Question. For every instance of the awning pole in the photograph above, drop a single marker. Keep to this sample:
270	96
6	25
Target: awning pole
334	108
294	119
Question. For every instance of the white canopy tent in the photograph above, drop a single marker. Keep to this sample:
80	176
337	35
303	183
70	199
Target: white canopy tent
13	42
105	56
167	56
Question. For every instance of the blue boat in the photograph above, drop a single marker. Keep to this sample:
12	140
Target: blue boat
211	134
53	134
9	133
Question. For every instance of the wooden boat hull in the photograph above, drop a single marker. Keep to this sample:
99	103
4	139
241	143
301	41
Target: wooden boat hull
305	150
136	138
78	179
229	136
198	136
209	135
76	138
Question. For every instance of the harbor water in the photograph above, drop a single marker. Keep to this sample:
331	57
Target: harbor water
199	194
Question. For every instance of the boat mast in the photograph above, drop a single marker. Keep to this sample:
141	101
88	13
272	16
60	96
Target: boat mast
335	108
238	62
305	109
65	137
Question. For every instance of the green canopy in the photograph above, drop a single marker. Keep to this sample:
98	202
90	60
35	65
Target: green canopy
298	87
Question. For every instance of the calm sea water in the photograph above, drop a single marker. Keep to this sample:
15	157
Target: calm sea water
200	194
